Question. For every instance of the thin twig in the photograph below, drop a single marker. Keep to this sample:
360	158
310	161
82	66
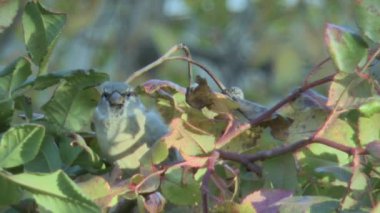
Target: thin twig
160	60
204	68
314	69
371	58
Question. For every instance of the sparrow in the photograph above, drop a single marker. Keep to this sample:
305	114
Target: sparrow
124	128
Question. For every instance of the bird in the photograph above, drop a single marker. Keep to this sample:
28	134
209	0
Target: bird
124	128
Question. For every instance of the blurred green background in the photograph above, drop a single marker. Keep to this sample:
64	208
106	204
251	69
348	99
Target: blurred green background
265	47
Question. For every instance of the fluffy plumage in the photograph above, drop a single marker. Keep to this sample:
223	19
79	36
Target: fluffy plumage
124	128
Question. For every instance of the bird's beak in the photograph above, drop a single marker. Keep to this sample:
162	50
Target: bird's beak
116	99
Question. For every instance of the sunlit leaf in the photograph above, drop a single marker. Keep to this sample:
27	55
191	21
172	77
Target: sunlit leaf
265	200
20	144
97	189
54	191
188	139
348	91
230	206
346	48
71	109
369	129
368	18
370	108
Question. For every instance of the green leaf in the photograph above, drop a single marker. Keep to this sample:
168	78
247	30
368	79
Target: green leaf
265	200
348	91
41	30
369	129
368	18
96	188
346	48
80	78
20	144
308	204
370	108
280	172
180	188
188	139
230	206
71	109
6	113
69	153
306	123
48	159
8	11
12	76
10	193
54	191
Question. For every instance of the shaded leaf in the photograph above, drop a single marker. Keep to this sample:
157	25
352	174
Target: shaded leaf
54	191
308	204
180	188
48	159
8	11
6	113
12	76
373	149
202	96
20	144
280	173
41	30
10	193
346	48
368	18
341	173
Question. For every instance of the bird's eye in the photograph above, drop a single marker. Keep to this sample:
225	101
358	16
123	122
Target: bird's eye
128	94
105	94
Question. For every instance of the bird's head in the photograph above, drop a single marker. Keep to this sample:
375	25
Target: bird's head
118	97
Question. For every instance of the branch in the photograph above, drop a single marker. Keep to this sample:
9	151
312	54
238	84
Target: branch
289	148
291	98
347	149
